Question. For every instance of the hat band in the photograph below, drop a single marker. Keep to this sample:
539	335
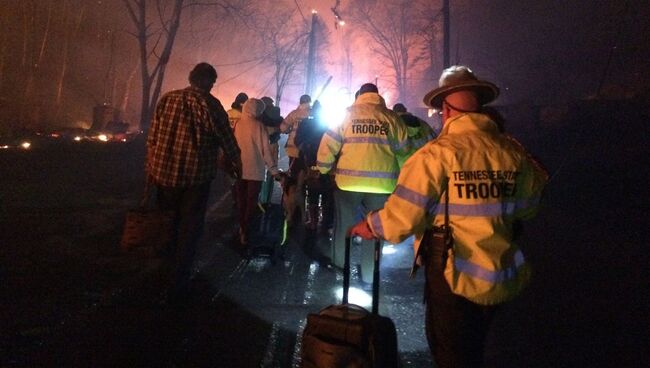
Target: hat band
444	101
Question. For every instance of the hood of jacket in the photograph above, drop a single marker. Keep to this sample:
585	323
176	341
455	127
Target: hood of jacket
253	108
370	98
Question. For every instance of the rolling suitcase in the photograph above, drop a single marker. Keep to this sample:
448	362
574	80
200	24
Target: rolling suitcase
347	335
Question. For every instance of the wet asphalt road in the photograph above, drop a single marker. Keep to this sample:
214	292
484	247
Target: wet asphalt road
245	311
280	291
68	297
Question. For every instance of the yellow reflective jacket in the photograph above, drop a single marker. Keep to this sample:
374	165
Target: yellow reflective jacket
364	147
290	126
492	182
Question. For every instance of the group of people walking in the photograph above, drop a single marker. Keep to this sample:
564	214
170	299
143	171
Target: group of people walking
381	173
257	125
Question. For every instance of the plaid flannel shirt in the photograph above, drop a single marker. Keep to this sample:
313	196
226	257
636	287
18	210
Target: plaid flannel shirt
188	129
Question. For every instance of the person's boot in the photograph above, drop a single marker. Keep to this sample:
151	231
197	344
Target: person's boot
243	239
312	217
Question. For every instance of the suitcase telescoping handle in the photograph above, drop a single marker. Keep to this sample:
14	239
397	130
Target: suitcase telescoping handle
375	274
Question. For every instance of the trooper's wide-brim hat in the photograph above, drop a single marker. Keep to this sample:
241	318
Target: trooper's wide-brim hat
458	78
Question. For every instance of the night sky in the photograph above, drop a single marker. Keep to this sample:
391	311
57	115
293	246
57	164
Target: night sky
538	52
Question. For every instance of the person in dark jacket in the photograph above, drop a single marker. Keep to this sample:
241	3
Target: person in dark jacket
308	137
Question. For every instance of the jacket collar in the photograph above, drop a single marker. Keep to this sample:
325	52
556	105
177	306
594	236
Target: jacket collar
370	98
196	89
469	122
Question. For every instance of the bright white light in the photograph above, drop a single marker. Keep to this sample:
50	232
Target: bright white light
356	296
103	137
341	22
432	112
335	102
77	138
388	249
313	11
4	147
25	145
387	97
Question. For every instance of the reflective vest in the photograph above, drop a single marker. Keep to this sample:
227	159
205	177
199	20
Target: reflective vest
364	148
418	135
492	182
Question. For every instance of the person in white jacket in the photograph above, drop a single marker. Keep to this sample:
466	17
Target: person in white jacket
256	156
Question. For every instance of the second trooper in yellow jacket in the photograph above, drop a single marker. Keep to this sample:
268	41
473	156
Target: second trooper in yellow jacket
491	183
364	150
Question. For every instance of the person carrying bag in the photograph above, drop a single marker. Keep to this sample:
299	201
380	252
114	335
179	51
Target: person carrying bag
147	226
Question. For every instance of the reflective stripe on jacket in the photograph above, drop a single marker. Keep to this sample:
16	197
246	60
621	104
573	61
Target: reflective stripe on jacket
364	147
492	182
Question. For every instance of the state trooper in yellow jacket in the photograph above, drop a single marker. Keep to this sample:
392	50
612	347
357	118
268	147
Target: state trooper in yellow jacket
363	149
492	183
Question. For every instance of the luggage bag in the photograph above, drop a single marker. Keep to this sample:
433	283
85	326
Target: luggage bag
347	335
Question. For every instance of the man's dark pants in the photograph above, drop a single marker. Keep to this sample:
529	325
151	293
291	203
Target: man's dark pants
322	187
350	208
456	328
189	205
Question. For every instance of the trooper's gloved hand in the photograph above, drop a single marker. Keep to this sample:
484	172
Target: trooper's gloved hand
362	229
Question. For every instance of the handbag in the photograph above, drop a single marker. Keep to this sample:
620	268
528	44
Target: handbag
147	226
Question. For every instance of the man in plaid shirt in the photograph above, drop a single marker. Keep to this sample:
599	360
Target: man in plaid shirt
187	131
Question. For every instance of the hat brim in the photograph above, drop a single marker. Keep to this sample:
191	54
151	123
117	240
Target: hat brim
486	92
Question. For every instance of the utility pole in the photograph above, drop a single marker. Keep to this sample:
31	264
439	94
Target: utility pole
445	36
309	83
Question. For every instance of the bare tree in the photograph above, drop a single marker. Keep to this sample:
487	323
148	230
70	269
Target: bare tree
392	26
431	34
36	33
71	28
3	48
286	58
126	97
282	45
156	34
153	57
